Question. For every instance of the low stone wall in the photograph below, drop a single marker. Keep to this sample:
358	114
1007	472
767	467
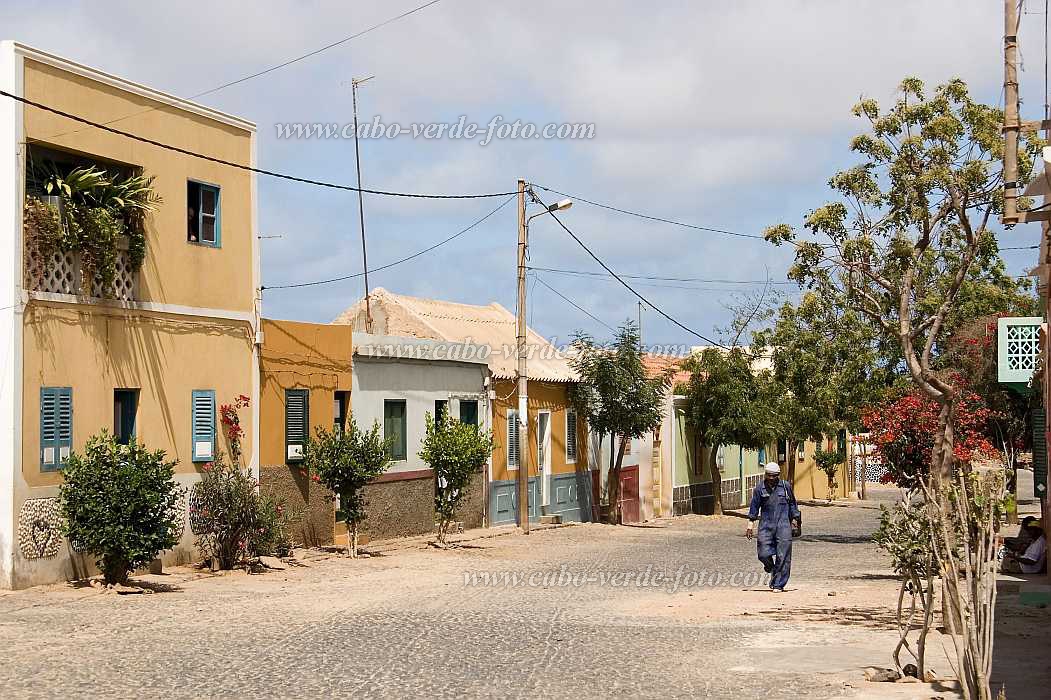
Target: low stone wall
401	507
312	503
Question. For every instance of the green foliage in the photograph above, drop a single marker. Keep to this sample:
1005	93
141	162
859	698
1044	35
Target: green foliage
100	208
829	462
272	535
615	394
120	504
345	461
727	402
43	229
906	244
455	451
905	534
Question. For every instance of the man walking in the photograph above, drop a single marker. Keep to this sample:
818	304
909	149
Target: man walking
774	506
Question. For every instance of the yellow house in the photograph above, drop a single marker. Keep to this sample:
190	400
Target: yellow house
305	384
560	482
152	353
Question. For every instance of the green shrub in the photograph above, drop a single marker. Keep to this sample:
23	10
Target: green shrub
120	504
345	461
455	451
272	534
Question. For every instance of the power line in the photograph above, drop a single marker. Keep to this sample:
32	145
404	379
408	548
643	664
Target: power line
590	273
241	166
396	262
572	303
1020	247
619	279
651	217
280	65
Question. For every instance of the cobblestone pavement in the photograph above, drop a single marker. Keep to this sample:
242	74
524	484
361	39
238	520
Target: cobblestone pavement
406	623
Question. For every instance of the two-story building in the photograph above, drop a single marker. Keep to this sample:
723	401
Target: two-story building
143	326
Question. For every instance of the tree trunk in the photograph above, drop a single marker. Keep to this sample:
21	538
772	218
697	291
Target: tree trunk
793	450
864	468
942	454
352	538
614	479
1012	487
717	480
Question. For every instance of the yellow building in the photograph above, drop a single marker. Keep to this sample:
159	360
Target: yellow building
152	354
305	384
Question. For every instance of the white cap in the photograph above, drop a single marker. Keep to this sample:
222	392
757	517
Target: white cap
772	468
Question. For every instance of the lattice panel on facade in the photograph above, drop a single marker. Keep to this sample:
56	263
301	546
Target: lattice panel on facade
123	281
1023	347
59	274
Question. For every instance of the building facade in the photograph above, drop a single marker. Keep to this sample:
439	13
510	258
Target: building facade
305	383
560	480
153	351
398	382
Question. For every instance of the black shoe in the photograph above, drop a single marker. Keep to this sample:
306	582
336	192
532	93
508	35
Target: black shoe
768	568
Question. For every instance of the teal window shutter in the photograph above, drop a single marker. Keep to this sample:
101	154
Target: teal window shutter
203	425
56	427
297	423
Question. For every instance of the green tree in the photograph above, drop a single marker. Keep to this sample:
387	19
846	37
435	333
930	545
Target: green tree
617	396
345	461
727	403
120	504
825	370
907	245
456	452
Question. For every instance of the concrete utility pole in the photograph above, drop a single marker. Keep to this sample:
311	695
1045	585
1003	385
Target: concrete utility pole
523	381
1011	121
361	210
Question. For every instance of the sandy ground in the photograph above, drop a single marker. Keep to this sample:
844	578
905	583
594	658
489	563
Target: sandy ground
407	621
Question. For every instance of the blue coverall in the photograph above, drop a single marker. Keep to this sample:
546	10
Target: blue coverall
775	509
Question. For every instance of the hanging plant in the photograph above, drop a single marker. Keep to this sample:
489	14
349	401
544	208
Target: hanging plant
102	215
99	234
43	236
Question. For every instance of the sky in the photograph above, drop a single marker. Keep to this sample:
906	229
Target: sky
729	115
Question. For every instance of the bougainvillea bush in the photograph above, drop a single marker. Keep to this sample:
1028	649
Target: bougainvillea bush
903	432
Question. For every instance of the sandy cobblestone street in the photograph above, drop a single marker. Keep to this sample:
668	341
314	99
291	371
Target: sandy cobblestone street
405	622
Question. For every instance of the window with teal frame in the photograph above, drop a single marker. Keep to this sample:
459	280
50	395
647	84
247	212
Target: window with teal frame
1017	348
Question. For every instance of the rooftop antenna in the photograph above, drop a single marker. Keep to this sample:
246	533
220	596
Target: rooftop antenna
354	83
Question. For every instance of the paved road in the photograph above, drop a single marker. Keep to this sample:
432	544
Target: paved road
405	623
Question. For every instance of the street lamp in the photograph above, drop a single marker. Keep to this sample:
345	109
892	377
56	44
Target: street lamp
523	382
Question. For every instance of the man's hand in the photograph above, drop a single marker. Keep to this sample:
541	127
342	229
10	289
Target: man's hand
750	530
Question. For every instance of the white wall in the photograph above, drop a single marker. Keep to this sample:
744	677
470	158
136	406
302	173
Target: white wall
419	383
10	305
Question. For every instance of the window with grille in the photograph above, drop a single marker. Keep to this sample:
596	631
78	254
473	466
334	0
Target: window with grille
512	439
571	436
1018	348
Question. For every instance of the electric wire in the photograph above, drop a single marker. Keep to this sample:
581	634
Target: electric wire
396	262
625	284
590	273
278	66
650	217
249	168
572	303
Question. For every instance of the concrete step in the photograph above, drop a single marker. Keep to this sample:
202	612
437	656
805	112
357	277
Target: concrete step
550	519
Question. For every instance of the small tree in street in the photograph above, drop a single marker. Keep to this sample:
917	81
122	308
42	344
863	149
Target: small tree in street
617	397
456	452
120	504
345	461
829	463
727	404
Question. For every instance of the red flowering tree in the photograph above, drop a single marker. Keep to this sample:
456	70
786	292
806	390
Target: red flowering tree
903	431
231	421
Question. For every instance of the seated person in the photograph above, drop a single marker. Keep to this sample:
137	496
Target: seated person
1019	544
1033	559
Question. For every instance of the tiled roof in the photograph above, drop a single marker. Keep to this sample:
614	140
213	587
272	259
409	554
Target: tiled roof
656	364
491	326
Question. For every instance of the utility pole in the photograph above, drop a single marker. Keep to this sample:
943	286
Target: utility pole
640	323
523	381
361	210
1012	124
